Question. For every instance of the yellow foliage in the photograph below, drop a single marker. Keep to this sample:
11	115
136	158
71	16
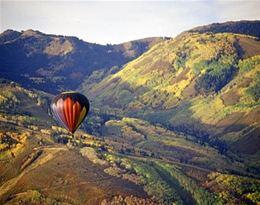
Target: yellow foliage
17	148
45	131
3	146
206	110
252	72
23	138
254	197
3	99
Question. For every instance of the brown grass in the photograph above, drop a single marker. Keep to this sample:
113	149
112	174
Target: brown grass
249	144
182	76
189	91
159	66
231	119
247	47
230	98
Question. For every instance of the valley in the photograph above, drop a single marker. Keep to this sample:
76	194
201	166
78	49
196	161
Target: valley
171	120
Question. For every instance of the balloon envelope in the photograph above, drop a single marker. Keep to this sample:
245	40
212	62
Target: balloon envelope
70	108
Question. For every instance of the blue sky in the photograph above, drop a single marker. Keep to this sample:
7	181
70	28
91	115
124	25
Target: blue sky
114	22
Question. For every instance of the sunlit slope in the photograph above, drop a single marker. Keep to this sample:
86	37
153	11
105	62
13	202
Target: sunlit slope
202	84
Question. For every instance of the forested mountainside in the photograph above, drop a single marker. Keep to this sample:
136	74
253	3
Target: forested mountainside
251	28
56	63
205	85
171	120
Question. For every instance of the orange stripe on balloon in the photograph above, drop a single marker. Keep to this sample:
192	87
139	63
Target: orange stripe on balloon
68	103
76	113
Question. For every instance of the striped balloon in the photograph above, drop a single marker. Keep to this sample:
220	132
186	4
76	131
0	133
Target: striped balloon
70	108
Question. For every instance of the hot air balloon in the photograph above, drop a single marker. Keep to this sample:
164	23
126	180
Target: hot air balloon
70	108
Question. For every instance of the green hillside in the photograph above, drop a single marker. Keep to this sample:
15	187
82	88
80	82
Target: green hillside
205	85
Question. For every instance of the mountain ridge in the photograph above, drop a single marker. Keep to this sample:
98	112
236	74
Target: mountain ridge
42	57
251	28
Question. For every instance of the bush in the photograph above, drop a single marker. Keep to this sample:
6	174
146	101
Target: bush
215	78
198	67
254	90
248	64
